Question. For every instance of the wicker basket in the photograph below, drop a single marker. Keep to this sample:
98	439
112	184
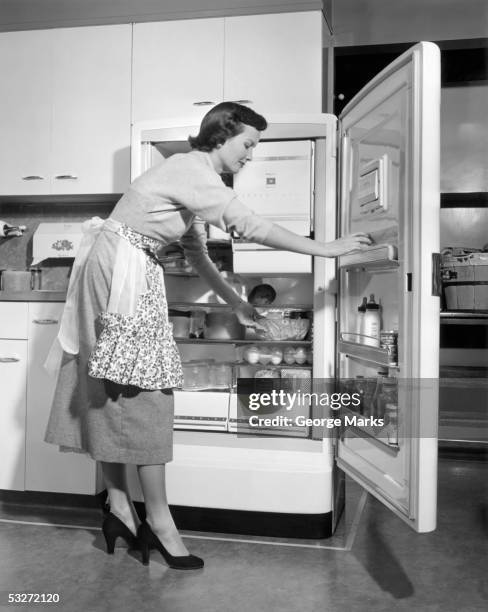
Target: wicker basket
465	280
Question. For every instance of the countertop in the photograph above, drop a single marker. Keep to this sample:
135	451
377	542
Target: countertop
32	296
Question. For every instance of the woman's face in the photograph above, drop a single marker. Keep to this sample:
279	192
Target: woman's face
236	151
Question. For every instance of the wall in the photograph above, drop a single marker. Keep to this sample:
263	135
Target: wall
371	22
464	139
32	14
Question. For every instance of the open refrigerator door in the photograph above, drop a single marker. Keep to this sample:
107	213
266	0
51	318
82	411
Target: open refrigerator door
388	348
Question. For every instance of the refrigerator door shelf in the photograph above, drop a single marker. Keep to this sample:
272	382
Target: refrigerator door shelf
371	354
378	255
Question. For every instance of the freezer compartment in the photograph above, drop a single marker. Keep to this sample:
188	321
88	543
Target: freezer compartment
278	180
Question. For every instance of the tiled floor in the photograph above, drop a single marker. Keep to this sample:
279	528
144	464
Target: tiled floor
373	562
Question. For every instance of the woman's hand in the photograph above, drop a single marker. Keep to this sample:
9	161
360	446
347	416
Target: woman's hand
247	315
353	242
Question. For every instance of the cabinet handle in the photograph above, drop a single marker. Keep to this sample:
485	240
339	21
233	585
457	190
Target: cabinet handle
33	177
46	321
9	359
203	103
242	101
66	177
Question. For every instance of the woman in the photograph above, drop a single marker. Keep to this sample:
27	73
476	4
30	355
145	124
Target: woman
120	363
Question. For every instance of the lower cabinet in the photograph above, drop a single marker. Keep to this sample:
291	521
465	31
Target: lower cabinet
46	468
27	331
13	375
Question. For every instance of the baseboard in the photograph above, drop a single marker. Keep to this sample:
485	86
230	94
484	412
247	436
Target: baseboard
214	520
59	500
244	522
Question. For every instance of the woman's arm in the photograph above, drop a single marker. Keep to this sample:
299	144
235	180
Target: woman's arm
194	245
207	270
258	229
280	238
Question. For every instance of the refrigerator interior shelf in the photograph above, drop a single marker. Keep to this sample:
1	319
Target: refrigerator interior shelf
278	366
176	272
227	307
384	256
367	353
202	389
243	342
459	317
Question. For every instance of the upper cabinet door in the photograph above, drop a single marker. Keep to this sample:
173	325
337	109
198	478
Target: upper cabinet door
91	109
177	68
275	62
25	112
390	189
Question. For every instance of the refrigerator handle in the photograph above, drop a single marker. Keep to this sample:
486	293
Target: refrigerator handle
436	275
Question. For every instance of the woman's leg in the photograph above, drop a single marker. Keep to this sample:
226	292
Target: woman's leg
115	477
153	484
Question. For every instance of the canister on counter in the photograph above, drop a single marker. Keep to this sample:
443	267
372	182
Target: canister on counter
389	342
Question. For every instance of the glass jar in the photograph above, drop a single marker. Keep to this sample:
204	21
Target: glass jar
387	394
220	375
196	375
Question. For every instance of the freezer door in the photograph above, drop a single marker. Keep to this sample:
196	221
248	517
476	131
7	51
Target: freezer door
389	137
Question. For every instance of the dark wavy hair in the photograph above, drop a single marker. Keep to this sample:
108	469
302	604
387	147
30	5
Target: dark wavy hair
223	121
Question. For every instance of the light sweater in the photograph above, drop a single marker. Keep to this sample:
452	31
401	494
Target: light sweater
173	200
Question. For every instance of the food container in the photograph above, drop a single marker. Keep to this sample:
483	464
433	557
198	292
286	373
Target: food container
251	354
297	379
223	326
220	375
465	279
196	375
282	324
389	342
267	373
181	323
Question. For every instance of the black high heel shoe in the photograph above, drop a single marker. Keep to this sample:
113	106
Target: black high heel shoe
113	528
148	539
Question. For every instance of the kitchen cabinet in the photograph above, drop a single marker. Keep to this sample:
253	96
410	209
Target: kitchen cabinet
13	376
275	62
177	68
13	369
272	62
24	113
65	111
46	469
27	331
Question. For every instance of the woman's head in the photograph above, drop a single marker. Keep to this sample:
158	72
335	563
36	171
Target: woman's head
229	132
224	121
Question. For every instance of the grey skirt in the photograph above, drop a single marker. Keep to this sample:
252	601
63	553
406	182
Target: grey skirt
115	414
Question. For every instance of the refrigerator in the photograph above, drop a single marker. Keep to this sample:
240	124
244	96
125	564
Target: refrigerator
373	169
